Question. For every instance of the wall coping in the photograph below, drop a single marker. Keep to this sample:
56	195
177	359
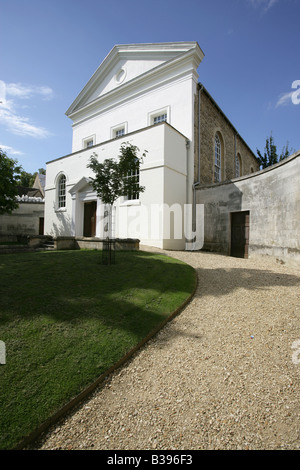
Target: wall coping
287	160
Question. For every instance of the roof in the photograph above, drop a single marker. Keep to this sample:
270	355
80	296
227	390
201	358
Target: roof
30	192
127	64
40	182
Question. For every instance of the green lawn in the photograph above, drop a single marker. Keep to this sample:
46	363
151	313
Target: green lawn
66	318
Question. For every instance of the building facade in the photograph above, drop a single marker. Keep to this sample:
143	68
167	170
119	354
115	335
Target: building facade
147	95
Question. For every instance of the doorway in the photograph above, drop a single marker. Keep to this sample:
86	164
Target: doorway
41	225
240	223
89	224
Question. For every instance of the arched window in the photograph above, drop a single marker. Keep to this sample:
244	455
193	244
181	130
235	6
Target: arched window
62	191
238	165
218	159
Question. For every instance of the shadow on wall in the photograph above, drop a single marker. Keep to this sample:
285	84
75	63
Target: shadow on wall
219	201
269	203
64	226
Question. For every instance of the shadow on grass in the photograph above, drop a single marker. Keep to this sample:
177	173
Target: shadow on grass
68	286
66	319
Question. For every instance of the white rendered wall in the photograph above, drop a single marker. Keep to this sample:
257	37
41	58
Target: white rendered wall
163	174
176	98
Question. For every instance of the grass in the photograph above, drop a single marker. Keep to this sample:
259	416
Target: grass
66	318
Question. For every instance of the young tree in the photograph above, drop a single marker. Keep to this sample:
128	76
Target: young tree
115	178
270	156
9	173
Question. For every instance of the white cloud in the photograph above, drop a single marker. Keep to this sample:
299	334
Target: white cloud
25	92
20	125
10	150
284	99
11	118
266	5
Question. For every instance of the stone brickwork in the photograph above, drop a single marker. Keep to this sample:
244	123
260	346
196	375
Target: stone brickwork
24	220
212	121
271	197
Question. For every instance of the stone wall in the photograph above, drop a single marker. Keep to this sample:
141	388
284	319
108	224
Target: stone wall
272	197
75	243
212	121
24	220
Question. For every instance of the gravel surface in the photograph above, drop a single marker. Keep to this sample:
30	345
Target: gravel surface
224	374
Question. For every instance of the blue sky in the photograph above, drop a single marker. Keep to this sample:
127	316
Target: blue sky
50	48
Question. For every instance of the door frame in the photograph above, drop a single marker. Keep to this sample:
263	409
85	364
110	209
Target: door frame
246	213
89	218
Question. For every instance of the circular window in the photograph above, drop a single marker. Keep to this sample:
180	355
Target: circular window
120	75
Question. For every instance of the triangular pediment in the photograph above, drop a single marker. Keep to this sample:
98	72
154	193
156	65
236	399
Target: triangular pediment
126	63
83	184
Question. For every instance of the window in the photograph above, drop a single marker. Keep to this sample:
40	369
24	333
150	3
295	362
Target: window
120	132
159	115
217	159
88	142
160	118
238	165
133	177
62	192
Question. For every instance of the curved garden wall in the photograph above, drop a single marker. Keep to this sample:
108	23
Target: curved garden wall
272	197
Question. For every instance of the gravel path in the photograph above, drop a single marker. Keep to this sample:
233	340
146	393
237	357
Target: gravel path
222	375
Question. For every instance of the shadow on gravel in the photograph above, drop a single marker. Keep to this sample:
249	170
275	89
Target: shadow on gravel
219	282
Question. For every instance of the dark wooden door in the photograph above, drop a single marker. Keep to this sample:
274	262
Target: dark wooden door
89	227
41	225
240	222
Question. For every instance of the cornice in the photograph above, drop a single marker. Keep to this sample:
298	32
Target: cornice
121	96
184	52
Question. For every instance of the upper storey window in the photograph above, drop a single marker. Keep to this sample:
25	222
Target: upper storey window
160	118
238	165
218	159
88	142
119	130
160	115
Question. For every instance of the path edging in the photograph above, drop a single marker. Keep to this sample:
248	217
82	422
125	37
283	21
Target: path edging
88	390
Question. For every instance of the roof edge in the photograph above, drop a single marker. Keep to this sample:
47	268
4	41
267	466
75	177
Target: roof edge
117	51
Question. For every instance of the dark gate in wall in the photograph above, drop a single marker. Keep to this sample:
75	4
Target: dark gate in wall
240	222
89	225
41	225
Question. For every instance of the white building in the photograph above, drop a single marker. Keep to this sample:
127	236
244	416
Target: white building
144	94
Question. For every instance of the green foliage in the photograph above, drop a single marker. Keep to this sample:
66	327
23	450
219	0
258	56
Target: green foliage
112	176
106	182
27	179
9	172
12	175
270	156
